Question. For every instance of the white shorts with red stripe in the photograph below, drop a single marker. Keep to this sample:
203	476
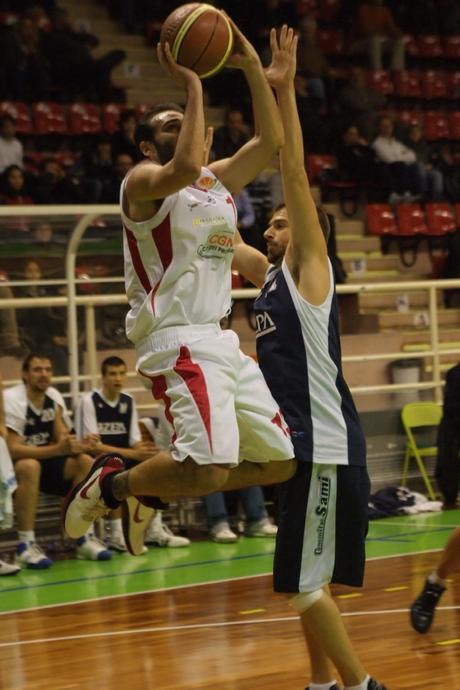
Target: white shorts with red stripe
215	397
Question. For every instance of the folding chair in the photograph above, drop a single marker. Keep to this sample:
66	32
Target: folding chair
416	415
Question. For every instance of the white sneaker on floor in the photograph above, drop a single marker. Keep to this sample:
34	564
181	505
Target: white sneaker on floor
261	528
93	549
222	534
116	542
8	568
32	556
159	534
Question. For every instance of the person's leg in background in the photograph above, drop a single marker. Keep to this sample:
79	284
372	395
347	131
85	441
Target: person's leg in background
256	517
218	520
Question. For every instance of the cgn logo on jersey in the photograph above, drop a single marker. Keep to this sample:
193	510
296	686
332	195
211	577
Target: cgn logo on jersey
219	243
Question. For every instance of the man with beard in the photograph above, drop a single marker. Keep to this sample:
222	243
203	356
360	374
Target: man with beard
179	226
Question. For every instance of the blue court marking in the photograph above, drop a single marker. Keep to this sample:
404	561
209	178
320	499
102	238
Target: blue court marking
409	537
138	571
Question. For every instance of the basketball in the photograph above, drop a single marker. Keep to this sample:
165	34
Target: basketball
200	38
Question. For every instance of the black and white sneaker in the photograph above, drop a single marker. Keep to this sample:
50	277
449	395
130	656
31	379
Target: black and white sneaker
375	685
333	687
423	608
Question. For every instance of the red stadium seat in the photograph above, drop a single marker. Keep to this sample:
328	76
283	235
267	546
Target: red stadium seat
440	218
411	220
20	112
49	118
380	220
237	280
410	45
457	213
380	80
409	117
8	18
435	126
86	273
452	47
433	84
110	117
318	163
453	84
454	125
407	84
331	41
429	46
84	118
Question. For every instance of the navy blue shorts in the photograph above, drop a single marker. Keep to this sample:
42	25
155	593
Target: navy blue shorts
322	528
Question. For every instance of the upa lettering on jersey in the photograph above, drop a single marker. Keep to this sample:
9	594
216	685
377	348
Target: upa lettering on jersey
321	510
264	324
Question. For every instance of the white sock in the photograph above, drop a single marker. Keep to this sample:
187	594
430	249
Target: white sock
322	686
361	686
27	536
435	579
115	526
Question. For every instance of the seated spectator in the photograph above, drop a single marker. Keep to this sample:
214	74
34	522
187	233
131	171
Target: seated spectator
257	522
122	141
311	61
231	137
111	191
399	163
448	463
431	179
360	104
10	343
14	190
44	328
356	159
11	150
72	64
54	186
24	69
450	172
245	211
110	415
46	456
42	233
5	568
378	33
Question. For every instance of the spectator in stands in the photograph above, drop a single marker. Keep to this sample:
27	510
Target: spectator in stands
245	211
11	151
13	188
24	70
42	233
123	139
43	328
261	200
399	163
448	460
10	344
378	33
431	179
450	171
72	64
123	163
54	186
6	476
256	517
356	159
311	62
231	137
46	455
360	104
95	166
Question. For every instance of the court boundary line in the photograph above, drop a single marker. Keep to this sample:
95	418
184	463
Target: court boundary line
176	587
197	626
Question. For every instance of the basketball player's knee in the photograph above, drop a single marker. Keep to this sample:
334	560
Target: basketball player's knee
305	600
27	470
287	469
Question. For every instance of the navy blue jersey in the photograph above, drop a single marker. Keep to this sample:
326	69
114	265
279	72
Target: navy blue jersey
298	348
39	424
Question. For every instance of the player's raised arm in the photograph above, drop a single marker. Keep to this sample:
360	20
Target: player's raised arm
151	180
307	247
248	261
253	157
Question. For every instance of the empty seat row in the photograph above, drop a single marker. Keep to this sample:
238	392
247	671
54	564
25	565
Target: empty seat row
425	85
430	46
436	219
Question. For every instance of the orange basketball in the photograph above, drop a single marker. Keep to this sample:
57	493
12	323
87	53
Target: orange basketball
200	37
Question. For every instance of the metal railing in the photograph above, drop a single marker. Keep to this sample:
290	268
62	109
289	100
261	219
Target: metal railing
86	215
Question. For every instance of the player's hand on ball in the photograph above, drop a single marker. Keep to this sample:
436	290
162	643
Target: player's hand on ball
181	75
243	55
282	69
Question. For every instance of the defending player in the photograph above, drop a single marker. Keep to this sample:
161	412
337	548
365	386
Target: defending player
179	227
323	508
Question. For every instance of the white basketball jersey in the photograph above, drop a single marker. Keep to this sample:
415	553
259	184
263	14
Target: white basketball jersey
177	264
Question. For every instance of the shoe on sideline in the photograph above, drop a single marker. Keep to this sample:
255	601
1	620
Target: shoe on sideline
32	556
